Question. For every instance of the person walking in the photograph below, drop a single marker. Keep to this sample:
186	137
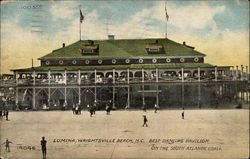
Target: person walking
7	145
145	120
7	114
156	108
182	114
43	144
73	108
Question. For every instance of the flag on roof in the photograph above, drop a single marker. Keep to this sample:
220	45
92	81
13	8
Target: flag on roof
167	17
81	16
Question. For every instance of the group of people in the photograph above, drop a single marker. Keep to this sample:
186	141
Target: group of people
5	113
76	109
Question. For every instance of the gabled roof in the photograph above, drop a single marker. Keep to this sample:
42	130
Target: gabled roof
123	48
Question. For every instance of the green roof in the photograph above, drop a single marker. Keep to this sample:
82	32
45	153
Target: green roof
107	67
123	48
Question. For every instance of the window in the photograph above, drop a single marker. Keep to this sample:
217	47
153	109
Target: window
127	60
47	62
140	60
74	62
87	50
113	61
168	60
154	49
60	62
154	60
182	60
100	61
87	62
196	59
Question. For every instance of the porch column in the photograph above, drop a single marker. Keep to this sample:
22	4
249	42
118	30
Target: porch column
33	98
182	95
79	77
113	97
49	77
34	78
16	96
247	78
95	76
157	75
49	96
113	75
182	74
143	96
237	72
79	95
157	94
128	97
242	69
95	94
128	75
65	76
16	76
215	73
142	71
199	95
199	74
233	73
65	95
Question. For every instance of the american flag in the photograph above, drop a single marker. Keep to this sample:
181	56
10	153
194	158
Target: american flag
166	13
81	16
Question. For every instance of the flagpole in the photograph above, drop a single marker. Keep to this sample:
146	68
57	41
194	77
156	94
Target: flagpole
80	29
166	24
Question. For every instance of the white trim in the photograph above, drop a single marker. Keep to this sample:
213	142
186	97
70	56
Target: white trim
140	60
127	61
47	62
154	60
113	61
87	62
99	61
196	59
74	62
182	60
60	62
168	60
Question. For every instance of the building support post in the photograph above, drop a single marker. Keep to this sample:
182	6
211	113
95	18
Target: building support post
79	95
34	78
182	95
128	75
157	87
242	73
113	75
65	95
34	98
17	96
95	76
49	77
182	74
215	73
199	74
79	77
142	71
65	76
49	97
113	97
199	95
95	99
128	102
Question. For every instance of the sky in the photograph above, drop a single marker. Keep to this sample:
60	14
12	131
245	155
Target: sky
31	29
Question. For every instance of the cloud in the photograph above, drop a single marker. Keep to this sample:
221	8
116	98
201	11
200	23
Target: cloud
63	10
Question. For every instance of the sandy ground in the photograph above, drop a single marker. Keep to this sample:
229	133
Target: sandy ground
224	133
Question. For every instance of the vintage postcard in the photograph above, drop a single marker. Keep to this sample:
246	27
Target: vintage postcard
132	79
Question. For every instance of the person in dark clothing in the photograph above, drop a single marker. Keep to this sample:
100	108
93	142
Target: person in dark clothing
1	113
108	109
7	114
43	144
7	145
145	120
182	114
